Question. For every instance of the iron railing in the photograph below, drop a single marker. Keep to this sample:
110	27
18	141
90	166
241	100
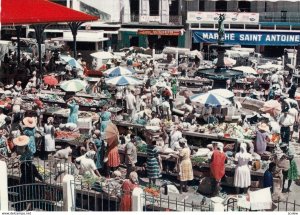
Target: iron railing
96	196
282	16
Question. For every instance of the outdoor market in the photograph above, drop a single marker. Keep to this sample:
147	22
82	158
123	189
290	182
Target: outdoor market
174	125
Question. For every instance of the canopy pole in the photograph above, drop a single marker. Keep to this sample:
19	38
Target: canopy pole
39	31
18	32
74	26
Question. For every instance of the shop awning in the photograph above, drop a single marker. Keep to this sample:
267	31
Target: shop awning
21	12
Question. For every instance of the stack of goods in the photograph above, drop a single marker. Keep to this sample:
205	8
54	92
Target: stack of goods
66	135
90	102
51	98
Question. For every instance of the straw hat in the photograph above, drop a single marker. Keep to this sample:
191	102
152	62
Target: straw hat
29	122
263	127
21	140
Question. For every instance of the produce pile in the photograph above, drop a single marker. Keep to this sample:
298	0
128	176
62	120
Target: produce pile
88	102
66	135
51	98
198	160
153	191
231	129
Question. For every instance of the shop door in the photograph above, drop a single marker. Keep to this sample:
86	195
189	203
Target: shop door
134	41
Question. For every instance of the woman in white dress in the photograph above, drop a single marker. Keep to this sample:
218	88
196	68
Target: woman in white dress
49	136
242	176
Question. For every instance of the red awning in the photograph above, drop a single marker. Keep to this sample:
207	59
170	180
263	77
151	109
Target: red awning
21	12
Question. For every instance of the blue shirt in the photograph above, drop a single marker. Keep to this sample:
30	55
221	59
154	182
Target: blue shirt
268	180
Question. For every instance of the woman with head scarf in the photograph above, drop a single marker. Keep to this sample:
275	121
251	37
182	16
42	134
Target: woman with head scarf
100	149
87	164
105	120
49	136
127	188
74	108
185	166
242	176
217	166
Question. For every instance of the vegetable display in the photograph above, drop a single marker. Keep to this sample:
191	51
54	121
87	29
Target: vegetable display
198	160
66	135
153	191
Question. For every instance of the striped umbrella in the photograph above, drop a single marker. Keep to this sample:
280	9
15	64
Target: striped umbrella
210	100
123	81
222	92
75	85
118	71
71	61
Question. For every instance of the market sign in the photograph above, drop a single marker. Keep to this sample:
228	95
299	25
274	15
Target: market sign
160	32
230	17
249	38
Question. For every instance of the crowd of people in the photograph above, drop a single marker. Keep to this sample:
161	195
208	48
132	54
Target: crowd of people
29	133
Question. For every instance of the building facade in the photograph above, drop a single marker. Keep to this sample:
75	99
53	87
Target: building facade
268	26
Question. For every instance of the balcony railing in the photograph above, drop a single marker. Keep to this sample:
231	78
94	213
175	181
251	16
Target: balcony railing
282	16
173	20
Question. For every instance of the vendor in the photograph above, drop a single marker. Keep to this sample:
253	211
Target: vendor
268	176
285	121
105	120
18	88
176	135
87	164
100	148
185	166
242	176
127	188
262	137
74	109
29	130
217	166
153	163
130	155
292	173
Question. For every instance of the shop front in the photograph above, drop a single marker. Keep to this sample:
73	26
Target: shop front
151	38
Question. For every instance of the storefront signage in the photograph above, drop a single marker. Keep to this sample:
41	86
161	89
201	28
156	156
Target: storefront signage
230	17
249	38
160	32
150	19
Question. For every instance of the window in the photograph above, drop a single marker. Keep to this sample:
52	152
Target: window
174	7
154	7
221	6
244	6
134	7
201	5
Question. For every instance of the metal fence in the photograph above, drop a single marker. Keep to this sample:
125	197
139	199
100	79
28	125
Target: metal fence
96	195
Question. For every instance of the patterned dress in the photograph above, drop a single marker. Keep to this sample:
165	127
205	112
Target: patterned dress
153	170
3	147
30	132
293	173
186	168
73	117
